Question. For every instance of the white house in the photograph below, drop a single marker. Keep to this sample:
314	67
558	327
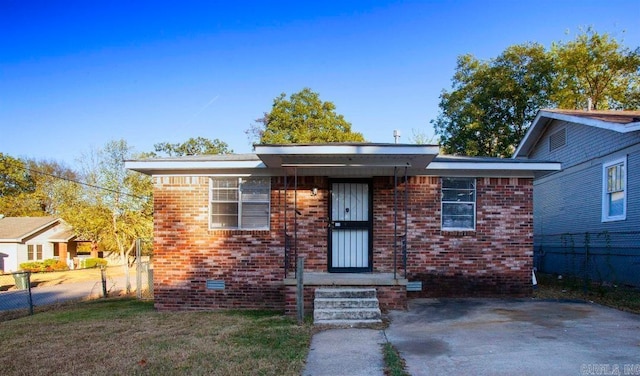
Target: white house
25	239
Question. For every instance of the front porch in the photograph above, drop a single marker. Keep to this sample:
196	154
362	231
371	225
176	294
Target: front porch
391	290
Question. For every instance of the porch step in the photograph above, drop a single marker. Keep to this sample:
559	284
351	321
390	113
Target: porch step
348	293
346	306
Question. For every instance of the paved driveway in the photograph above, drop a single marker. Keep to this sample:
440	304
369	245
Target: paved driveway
515	337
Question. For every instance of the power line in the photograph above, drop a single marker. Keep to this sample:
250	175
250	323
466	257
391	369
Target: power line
29	169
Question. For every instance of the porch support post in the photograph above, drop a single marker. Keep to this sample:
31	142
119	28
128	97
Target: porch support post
295	213
300	289
395	222
286	235
406	222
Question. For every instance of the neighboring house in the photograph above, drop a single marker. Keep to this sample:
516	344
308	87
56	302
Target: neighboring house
587	216
25	239
228	228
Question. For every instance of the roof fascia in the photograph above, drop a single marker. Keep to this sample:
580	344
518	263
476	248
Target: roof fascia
495	166
155	167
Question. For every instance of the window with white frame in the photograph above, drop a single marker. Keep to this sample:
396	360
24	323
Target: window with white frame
458	204
614	190
239	203
34	252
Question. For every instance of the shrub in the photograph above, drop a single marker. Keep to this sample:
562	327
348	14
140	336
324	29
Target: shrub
60	265
92	262
48	265
32	266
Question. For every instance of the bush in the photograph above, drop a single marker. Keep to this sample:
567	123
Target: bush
48	265
32	266
92	262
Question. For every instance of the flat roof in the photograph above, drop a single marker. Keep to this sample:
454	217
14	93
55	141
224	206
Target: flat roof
339	159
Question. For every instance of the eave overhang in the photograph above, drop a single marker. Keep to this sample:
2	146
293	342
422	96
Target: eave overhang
350	156
341	160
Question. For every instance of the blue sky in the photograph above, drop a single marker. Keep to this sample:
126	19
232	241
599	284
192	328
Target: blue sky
77	74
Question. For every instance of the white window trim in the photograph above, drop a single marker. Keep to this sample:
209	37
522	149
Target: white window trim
605	201
239	228
442	202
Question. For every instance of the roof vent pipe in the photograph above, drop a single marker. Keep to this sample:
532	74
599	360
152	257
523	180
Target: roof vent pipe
589	104
396	135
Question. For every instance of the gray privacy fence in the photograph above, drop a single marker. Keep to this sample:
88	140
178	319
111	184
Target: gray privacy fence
600	257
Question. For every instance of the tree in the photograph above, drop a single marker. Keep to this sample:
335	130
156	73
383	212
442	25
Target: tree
48	177
115	207
594	66
419	137
492	103
28	187
303	118
15	185
193	146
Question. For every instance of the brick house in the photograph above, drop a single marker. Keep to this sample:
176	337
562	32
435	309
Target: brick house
400	218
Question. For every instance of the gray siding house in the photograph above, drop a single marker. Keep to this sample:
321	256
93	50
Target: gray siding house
587	215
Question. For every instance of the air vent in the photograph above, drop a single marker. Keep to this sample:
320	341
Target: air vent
558	139
215	284
414	286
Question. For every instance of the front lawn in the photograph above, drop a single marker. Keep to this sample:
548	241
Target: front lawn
128	337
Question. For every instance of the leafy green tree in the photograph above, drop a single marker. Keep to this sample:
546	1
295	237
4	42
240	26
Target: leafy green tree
16	188
193	146
28	187
14	176
303	118
115	207
595	66
49	177
492	103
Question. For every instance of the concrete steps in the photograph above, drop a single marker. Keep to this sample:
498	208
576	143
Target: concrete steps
346	306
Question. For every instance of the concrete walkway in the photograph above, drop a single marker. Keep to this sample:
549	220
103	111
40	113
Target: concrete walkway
341	352
488	337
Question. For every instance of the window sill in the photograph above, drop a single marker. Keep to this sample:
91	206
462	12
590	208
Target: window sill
614	219
458	232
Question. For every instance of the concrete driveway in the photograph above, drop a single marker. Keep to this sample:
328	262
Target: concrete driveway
515	337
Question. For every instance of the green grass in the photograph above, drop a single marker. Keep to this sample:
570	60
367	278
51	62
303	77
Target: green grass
625	298
128	337
394	364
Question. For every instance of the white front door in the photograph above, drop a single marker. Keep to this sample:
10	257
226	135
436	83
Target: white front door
350	228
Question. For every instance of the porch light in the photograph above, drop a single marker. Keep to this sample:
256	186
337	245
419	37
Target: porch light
314	191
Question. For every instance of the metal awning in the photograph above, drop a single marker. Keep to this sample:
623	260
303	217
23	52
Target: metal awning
348	158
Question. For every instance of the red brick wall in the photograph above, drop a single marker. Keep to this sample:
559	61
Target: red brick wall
495	259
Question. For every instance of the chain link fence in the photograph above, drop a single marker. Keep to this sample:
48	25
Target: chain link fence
595	257
23	293
144	269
